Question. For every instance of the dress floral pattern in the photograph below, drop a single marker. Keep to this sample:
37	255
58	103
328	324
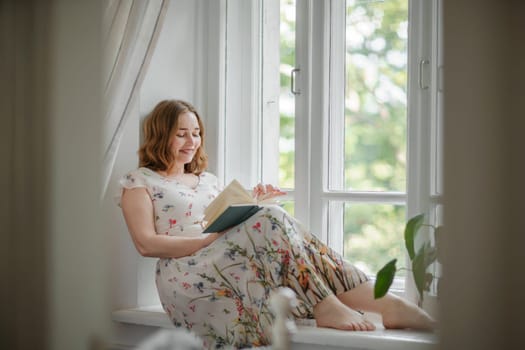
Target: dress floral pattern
221	292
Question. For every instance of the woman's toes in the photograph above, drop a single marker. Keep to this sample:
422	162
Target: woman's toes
369	326
362	326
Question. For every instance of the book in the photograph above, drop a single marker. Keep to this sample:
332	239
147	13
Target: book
231	207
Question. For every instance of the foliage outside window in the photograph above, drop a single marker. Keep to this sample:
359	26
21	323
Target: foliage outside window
286	100
375	128
375	124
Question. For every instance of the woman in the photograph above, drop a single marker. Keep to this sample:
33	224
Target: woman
218	284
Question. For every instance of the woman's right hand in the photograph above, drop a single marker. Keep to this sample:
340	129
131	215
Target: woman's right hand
263	192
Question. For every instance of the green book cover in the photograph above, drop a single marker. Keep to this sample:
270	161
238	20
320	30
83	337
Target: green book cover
233	215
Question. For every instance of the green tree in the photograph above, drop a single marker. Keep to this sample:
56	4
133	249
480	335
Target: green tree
375	128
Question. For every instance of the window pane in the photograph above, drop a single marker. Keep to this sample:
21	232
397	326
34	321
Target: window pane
375	95
286	100
373	235
289	206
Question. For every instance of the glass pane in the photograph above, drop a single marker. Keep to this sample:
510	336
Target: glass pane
373	235
289	206
286	99
376	95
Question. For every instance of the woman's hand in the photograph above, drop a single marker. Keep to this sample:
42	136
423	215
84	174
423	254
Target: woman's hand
263	192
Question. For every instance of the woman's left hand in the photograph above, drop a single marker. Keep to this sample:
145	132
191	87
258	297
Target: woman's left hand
263	192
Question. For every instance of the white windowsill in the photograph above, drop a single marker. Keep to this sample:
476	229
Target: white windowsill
380	339
147	316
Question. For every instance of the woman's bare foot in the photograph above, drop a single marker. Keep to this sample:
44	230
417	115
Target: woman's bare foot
396	311
332	313
400	313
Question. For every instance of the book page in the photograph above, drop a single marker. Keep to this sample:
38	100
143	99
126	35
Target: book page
234	193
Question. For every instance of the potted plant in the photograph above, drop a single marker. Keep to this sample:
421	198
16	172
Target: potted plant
420	261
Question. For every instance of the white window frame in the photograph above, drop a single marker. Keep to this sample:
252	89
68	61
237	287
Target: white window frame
317	26
425	123
251	95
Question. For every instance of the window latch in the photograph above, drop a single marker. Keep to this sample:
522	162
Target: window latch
292	85
422	64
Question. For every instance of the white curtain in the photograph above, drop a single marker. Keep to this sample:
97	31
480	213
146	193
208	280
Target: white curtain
130	31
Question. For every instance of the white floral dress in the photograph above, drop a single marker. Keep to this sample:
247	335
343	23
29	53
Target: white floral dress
221	291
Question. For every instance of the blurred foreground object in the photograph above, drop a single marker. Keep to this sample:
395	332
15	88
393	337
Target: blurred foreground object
167	339
282	302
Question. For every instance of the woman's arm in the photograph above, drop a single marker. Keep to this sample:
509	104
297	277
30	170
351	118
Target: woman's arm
139	215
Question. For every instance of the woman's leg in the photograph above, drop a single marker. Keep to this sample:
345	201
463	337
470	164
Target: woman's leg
353	289
305	274
299	270
396	311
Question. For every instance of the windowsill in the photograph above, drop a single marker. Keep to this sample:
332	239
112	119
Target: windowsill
153	316
380	339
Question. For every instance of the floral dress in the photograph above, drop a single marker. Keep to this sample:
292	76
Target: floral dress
221	291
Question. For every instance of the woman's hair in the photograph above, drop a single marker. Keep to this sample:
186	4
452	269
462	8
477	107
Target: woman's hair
159	128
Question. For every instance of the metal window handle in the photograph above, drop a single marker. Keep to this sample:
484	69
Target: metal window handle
421	64
292	87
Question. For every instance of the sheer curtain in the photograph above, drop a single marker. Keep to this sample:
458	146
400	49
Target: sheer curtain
130	32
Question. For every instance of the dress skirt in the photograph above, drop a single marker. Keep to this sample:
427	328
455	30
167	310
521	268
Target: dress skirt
221	292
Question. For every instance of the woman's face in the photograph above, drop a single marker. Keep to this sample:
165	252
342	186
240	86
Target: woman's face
186	140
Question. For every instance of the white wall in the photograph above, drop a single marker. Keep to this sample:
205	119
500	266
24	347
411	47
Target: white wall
170	75
172	70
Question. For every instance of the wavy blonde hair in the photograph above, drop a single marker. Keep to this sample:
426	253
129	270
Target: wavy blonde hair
159	127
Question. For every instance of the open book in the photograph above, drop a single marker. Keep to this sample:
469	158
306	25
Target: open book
231	207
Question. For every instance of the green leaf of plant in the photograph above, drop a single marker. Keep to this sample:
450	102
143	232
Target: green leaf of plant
423	259
418	271
430	255
411	229
384	279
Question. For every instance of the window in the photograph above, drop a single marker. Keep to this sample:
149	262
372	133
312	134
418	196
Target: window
367	130
356	136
